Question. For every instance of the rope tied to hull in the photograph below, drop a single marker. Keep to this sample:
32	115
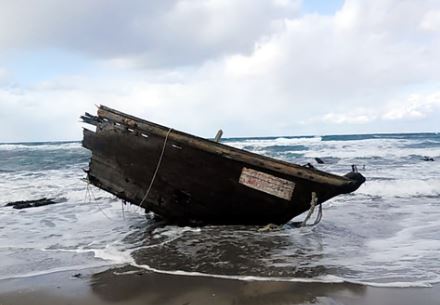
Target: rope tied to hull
157	168
313	203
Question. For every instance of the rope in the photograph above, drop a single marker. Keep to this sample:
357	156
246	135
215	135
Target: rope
89	192
122	208
313	203
157	168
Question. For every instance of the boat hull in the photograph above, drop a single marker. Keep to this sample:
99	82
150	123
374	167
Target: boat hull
171	174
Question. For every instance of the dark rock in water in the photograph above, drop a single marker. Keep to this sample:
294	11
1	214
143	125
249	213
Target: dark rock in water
319	160
24	204
426	158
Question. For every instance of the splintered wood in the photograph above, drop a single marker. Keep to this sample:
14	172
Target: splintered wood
267	183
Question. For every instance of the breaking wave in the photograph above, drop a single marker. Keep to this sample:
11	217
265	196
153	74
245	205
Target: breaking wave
405	188
40	146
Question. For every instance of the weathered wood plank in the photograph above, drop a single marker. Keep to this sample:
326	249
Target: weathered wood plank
223	150
24	204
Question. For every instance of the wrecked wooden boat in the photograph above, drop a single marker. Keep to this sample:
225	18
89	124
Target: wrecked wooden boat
186	179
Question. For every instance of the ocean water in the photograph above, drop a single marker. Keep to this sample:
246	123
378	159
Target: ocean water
384	234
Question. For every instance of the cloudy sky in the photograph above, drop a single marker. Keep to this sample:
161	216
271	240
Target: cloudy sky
250	67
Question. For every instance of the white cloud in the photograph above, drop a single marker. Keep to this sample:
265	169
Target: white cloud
348	118
251	68
146	33
4	74
417	106
431	21
413	107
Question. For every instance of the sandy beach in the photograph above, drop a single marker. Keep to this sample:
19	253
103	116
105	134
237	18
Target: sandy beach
127	285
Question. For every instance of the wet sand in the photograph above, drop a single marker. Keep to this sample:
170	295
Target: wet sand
133	286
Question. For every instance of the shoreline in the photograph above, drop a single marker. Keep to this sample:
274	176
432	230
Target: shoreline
130	285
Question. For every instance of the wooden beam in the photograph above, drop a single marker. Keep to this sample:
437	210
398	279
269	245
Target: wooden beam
106	113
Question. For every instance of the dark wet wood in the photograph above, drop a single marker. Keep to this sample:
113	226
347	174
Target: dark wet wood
131	122
198	179
24	204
